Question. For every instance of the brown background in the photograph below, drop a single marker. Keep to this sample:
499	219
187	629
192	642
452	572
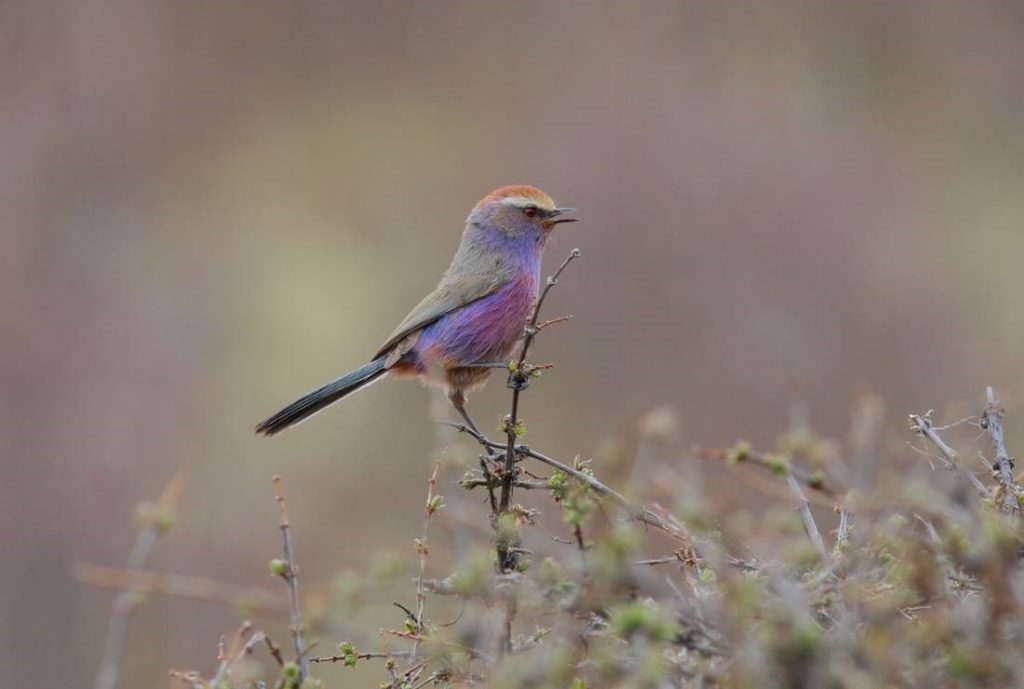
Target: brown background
207	208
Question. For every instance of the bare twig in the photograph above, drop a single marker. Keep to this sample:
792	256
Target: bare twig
804	508
275	650
422	549
843	532
231	657
678	557
553	321
1002	467
361	656
470	482
199	588
950	457
768	462
291	577
156	522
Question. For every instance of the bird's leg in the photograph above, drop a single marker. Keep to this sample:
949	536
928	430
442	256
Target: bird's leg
458	400
489	456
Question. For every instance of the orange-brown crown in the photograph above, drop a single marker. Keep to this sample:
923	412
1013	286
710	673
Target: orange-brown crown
520	195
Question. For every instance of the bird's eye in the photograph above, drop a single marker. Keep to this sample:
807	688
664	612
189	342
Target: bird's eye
530	211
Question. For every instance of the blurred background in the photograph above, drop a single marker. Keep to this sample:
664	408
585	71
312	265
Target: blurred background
209	208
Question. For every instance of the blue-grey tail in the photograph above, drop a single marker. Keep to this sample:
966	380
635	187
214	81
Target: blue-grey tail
307	405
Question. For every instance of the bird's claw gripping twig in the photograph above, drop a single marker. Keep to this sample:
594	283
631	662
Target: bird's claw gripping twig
518	381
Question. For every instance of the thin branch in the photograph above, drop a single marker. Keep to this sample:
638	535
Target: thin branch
768	462
843	532
518	380
361	656
274	649
422	549
157	520
183	586
677	557
553	321
428	680
291	577
471	482
1002	467
641	513
231	657
804	508
950	457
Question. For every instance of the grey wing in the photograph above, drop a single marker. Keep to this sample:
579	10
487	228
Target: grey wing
446	298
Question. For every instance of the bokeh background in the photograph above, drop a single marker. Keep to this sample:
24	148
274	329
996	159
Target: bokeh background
208	208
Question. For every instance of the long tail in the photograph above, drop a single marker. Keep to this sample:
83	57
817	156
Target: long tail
307	405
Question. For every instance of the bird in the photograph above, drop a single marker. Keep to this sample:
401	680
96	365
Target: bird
474	316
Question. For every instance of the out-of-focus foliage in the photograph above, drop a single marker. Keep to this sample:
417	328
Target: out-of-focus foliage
922	583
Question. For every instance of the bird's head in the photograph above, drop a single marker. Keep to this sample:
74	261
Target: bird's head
519	210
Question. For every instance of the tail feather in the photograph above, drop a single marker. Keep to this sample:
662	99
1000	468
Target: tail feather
307	405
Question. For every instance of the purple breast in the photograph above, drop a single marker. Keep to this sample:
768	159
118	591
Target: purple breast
484	331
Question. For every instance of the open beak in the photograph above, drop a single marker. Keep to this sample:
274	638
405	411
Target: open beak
558	216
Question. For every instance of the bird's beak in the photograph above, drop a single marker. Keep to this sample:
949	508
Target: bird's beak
557	216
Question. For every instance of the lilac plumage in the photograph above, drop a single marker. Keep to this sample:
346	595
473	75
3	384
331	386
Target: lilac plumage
484	331
474	316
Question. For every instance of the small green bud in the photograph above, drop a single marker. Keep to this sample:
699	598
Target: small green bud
817	480
435	504
779	464
558	485
643	618
163	521
291	673
740	452
346	649
279	567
